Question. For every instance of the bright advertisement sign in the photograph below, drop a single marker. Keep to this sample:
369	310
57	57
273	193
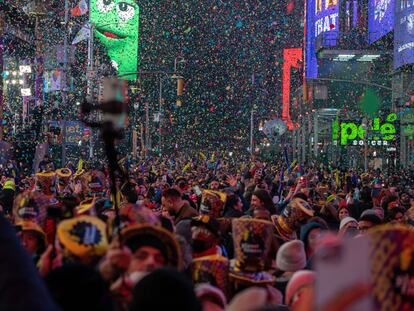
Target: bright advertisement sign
404	33
379	133
115	25
291	59
380	18
322	21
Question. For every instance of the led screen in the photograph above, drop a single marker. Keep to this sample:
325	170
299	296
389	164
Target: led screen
322	26
116	25
380	18
404	33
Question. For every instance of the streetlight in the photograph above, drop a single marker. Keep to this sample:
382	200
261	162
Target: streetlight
178	60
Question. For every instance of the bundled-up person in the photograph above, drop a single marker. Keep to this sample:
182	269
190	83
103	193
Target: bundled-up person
21	287
348	227
33	238
176	207
261	201
205	237
145	248
7	196
291	257
309	235
164	289
368	220
80	240
233	207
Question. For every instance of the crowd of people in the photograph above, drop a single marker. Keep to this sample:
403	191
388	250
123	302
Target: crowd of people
195	233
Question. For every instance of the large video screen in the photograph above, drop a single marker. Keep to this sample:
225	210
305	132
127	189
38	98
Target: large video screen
404	33
322	24
116	24
380	18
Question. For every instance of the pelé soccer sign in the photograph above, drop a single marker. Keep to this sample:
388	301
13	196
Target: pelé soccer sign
378	133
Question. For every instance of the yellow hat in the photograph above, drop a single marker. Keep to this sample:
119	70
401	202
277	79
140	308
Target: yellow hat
212	203
85	207
331	198
83	236
9	185
64	172
79	173
45	175
31	226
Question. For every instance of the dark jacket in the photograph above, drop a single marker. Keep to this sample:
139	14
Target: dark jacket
6	200
191	202
185	212
233	213
21	287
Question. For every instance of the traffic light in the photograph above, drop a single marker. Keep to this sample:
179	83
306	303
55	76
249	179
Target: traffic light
180	86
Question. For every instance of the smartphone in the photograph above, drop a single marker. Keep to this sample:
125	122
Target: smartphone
197	190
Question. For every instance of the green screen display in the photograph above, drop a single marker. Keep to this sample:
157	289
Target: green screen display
115	24
345	133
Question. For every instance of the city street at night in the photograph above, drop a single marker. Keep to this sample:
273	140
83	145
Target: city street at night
249	155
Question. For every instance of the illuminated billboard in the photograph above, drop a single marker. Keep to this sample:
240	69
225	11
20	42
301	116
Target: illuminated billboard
380	18
116	25
404	33
322	23
379	133
291	59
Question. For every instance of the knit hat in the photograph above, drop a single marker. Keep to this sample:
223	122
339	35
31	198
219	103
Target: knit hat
345	221
370	215
291	256
10	185
299	280
306	229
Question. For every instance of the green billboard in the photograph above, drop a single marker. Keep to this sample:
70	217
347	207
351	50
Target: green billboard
376	133
115	24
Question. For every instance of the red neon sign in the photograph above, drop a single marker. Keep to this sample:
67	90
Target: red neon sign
291	58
